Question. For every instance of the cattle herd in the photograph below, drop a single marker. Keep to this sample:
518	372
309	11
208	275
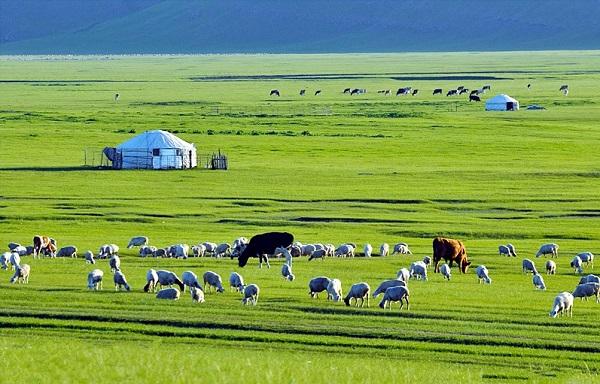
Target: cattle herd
281	244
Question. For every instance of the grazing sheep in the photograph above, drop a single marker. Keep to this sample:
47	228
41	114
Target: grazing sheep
427	261
503	250
95	279
587	257
511	248
15	260
296	251
418	270
210	247
403	275
538	282
168	294
197	295
251	294
590	279
114	263
308	249
563	304
529	266
213	280
286	254
137	242
108	250
12	246
168	278
319	246
402	249
190	279
317	285
286	272
394	294
180	251
586	290
345	250
147	250
548	249
89	257
577	264
236	281
5	260
358	291
68	251
368	249
120	281
386	284
160	252
21	274
334	290
223	250
29	250
21	250
550	267
384	249
199	250
151	281
318	254
445	270
483	275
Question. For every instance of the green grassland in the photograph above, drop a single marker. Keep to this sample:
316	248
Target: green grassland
328	168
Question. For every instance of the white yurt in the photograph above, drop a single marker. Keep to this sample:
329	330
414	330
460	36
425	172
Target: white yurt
501	102
154	150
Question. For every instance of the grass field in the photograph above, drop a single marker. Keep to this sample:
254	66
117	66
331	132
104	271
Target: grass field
328	168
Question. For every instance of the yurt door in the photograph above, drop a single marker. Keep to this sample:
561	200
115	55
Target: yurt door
509	106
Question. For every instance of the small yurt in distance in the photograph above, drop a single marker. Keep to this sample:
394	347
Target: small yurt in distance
501	102
153	150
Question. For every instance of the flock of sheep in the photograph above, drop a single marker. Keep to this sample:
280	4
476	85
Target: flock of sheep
393	290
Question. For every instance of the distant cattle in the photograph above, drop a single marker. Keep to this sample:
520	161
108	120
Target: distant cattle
347	90
563	87
116	97
358	91
317	92
460	87
452	92
302	92
486	87
474	98
40	244
265	244
450	250
475	92
415	91
437	91
274	92
528	86
462	91
403	91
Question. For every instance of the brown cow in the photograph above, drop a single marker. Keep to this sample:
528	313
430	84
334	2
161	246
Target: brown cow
40	243
450	250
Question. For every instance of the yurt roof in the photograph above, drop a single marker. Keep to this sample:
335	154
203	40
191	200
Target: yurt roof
501	99
155	139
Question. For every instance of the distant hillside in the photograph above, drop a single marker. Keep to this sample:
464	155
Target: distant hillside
294	26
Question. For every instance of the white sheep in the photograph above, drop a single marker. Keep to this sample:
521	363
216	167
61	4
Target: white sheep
137	241
308	249
251	293
538	282
513	251
529	266
199	250
418	270
548	249
503	250
402	249
197	295
95	279
190	279
210	247
282	251
317	285
445	270
21	274
329	250
368	249
403	274
384	249
15	260
107	250
179	251
345	250
5	260
589	279
168	278
587	258
213	280
563	304
427	261
68	251
89	257
577	264
550	267
334	290
20	250
358	291
151	281
223	250
395	294
147	250
168	294
586	290
236	281
12	246
120	281
286	272
318	254
386	284
114	263
483	274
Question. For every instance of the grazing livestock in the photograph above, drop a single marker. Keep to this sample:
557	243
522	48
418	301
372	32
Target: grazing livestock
460	87
563	87
197	295
20	250
302	92
114	263
213	279
190	279
168	278
529	266
160	252
283	251
251	293
437	91
452	92
68	251
198	250
403	274
39	244
445	270
587	258
503	250
394	294
120	281
577	264
179	251
108	250
463	91
529	86
358	291
29	250
418	270
274	92
345	250
95	279
89	257
308	249
538	282
550	267
403	91
401	248
116	97
384	249
474	98
414	92
286	272
15	260
318	285
386	284
137	242
427	261
210	248
346	90
318	254
450	250
586	290
12	246
483	275
486	87
355	91
296	251
168	294
147	250
334	290
21	274
236	281
548	249
151	281
589	279
511	248
223	250
474	92
563	304
317	92
5	260
368	249
265	244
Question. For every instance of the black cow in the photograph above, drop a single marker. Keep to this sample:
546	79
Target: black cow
264	244
347	90
474	98
355	91
317	92
415	91
464	90
437	91
403	91
452	92
475	92
460	87
302	91
528	86
274	92
116	97
486	87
